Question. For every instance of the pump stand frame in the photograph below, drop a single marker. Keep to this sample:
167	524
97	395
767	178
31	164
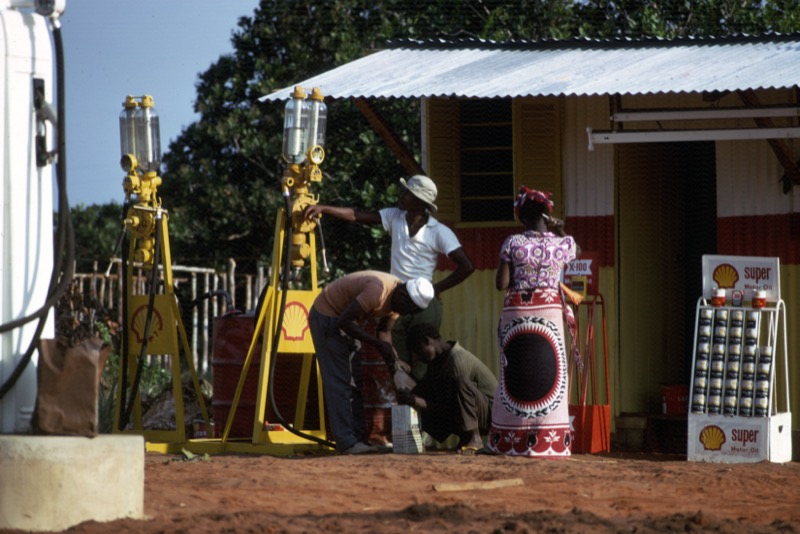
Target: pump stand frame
294	340
167	331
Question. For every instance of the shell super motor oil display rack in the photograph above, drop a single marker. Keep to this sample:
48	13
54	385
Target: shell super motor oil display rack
739	399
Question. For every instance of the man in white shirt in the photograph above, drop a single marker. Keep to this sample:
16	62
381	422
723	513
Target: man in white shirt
417	241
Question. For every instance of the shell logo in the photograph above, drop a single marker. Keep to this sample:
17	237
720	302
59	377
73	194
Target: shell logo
712	437
295	322
139	319
726	276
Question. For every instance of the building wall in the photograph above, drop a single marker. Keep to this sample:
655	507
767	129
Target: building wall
589	216
754	217
757	219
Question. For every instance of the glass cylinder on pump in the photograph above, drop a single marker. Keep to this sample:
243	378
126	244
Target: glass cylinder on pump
148	136
295	123
127	129
317	119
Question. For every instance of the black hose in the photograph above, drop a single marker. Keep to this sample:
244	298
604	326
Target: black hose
216	293
65	239
276	338
322	246
123	231
126	415
125	322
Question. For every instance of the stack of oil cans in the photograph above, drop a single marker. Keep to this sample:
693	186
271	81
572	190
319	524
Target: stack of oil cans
731	370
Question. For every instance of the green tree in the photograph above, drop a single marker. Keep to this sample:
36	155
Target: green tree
97	229
686	18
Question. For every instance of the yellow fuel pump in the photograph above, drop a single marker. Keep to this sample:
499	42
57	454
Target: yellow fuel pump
152	322
282	320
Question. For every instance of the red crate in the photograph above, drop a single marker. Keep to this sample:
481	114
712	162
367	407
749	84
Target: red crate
675	400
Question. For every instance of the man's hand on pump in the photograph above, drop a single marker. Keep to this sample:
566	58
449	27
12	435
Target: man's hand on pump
313	212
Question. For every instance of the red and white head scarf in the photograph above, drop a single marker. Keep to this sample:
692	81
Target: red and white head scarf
540	197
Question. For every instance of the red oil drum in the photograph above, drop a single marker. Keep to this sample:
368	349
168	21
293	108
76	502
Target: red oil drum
233	334
377	393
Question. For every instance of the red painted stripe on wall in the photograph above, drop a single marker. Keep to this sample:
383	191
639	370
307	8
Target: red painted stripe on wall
482	245
761	235
594	234
757	235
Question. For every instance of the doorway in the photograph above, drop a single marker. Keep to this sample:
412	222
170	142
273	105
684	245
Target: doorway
667	214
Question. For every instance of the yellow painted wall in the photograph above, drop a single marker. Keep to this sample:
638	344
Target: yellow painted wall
471	312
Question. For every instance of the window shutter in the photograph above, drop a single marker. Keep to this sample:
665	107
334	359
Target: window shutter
537	147
443	159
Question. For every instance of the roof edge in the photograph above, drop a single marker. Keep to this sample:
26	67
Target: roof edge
585	42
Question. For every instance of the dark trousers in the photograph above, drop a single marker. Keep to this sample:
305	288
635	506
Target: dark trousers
340	367
459	408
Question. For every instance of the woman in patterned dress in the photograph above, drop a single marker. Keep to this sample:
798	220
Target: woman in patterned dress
530	415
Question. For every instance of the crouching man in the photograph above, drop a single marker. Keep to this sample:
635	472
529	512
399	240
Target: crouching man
455	394
336	321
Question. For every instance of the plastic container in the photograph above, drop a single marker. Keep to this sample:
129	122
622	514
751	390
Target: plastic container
675	399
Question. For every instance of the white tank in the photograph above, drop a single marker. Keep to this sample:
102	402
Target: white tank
26	201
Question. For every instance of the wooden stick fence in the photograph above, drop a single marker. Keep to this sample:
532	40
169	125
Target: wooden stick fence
202	297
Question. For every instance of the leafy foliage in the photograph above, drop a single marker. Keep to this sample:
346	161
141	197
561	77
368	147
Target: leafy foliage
97	229
222	179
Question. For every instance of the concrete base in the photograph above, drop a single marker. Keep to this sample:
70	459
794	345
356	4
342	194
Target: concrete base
50	483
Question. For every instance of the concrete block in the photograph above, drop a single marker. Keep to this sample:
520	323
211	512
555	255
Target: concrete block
50	483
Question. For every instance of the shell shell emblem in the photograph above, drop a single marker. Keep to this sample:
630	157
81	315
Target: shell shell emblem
138	324
712	437
295	322
726	276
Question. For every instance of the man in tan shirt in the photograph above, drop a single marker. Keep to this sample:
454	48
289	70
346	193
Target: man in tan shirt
336	321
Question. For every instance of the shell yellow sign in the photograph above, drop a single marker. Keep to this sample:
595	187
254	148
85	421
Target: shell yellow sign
160	338
295	336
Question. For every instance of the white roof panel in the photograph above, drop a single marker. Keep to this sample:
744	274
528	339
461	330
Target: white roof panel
484	69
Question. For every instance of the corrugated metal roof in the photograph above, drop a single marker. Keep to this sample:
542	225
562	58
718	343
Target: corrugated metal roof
484	69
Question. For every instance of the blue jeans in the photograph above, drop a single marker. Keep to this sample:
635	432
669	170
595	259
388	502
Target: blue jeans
340	367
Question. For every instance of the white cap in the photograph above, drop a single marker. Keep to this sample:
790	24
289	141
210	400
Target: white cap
421	291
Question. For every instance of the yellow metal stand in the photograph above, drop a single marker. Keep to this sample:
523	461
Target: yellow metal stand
294	341
293	337
165	335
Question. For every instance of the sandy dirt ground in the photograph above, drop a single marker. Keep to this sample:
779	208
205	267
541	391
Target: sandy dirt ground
409	493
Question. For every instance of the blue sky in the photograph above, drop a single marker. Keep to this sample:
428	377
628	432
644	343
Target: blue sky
113	48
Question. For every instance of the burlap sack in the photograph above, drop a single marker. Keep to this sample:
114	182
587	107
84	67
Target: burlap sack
68	384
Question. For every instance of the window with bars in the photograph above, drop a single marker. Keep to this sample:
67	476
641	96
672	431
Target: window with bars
486	160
